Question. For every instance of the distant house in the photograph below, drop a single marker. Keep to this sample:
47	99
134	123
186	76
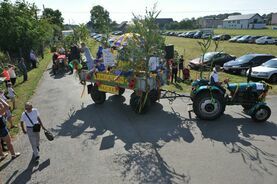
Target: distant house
249	21
274	19
210	22
163	21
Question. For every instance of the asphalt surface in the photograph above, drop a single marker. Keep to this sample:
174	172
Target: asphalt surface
111	144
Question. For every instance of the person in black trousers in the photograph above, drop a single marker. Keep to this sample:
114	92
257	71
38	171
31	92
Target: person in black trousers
174	72
181	65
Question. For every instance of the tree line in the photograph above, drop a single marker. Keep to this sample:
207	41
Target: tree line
22	29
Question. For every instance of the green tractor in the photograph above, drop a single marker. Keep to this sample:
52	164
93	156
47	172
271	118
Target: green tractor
209	101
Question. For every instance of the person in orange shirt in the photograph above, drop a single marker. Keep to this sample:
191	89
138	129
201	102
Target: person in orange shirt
6	74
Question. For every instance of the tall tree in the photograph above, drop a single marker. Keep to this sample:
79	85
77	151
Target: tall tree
53	16
100	19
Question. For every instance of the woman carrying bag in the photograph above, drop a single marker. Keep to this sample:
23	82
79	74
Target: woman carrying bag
30	117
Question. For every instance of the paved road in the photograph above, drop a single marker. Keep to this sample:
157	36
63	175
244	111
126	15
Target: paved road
111	144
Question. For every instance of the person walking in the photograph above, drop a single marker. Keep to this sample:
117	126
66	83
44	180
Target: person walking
12	73
30	117
4	133
23	69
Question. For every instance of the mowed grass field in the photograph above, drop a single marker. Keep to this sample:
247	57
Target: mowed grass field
191	49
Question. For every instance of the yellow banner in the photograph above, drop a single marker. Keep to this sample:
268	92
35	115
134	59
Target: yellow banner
108	89
110	78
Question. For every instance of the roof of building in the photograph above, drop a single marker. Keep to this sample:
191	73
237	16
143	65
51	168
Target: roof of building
122	24
241	17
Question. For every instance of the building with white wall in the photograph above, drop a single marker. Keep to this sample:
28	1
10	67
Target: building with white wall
249	21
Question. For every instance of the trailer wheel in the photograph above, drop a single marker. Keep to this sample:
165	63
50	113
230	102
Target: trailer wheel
97	96
136	101
261	114
153	95
207	109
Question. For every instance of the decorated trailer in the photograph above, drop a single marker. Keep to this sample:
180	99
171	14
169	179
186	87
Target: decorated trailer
146	89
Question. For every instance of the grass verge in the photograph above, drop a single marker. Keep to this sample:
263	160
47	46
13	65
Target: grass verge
25	90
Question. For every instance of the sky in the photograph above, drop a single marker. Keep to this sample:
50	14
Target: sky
78	11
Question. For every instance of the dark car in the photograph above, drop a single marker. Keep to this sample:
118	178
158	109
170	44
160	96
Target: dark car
198	35
243	63
190	34
252	39
222	37
211	59
244	39
235	38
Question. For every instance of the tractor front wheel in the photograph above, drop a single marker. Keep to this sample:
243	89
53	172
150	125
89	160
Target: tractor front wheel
261	114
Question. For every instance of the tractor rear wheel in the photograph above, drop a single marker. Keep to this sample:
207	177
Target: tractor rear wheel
208	107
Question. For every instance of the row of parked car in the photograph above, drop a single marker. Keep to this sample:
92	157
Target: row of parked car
264	66
98	37
238	39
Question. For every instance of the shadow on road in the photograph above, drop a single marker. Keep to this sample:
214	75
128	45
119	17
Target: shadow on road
26	175
237	135
143	136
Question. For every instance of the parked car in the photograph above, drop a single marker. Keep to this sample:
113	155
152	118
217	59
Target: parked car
235	38
211	59
93	34
243	63
97	36
222	37
244	39
267	70
265	40
190	34
118	33
207	35
253	39
197	35
183	34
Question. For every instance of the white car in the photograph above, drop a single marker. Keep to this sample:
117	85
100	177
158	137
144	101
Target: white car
267	71
265	40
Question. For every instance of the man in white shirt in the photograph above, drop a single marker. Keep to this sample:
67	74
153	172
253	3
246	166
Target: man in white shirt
214	79
30	117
